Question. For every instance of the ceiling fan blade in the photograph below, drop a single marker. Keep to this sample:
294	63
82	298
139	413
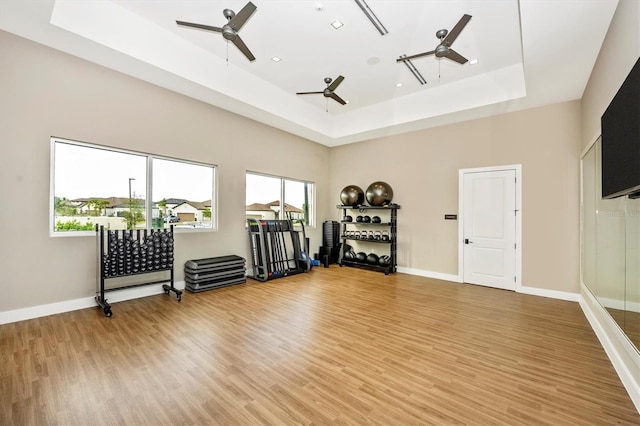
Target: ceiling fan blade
419	55
309	93
337	98
453	34
333	86
455	56
199	26
241	17
243	48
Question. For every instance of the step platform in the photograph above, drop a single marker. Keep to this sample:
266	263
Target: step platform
214	272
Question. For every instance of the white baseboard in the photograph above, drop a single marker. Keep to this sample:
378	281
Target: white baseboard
534	291
429	274
82	303
605	332
552	294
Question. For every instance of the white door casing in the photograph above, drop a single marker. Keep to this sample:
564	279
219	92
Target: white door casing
490	227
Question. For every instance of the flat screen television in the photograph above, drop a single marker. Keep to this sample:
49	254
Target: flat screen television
620	125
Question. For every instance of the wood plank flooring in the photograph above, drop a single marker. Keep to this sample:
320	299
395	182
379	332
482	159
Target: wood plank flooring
336	346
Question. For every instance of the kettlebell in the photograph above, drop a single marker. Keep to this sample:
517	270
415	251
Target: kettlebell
378	235
362	257
348	218
385	236
376	219
359	219
372	235
366	219
384	260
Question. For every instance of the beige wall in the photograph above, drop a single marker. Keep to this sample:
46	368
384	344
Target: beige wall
44	92
422	168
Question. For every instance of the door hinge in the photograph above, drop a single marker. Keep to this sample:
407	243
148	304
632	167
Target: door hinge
515	279
515	246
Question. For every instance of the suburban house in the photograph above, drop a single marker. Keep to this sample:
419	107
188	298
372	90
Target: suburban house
271	211
191	211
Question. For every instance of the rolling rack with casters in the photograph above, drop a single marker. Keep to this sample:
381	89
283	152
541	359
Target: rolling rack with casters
276	249
123	253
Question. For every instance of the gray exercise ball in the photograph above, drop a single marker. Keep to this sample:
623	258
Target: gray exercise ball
379	194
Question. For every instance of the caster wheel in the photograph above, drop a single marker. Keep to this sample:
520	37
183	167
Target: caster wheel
108	313
179	297
166	292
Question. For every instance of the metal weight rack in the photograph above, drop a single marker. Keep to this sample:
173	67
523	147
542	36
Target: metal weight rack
276	249
123	253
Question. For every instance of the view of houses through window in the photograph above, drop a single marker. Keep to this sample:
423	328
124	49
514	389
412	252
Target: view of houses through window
266	195
94	185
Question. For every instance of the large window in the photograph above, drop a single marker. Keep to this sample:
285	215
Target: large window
95	185
266	195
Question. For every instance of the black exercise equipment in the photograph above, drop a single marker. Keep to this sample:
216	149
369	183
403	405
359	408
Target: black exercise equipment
124	253
214	272
331	243
276	249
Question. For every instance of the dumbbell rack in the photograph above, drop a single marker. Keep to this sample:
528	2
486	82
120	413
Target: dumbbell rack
123	253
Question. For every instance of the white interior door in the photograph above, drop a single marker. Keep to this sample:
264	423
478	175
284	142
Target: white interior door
489	228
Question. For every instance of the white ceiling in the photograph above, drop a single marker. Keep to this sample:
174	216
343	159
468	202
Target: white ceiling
530	53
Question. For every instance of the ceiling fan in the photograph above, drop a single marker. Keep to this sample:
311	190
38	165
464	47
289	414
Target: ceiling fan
444	50
329	91
230	29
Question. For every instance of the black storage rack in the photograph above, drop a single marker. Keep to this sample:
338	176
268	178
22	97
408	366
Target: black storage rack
127	253
276	248
356	236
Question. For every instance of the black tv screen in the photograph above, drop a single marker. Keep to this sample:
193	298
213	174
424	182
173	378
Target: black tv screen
621	139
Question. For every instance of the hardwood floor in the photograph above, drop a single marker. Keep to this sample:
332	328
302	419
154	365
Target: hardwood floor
333	346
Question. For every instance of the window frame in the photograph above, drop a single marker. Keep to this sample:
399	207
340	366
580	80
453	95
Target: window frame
283	179
148	188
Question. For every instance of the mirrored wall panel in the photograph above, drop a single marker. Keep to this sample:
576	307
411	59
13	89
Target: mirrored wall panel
611	248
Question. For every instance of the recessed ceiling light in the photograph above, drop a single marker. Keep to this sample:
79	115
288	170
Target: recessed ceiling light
473	62
276	59
337	24
398	84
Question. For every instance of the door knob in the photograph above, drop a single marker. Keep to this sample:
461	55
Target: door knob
466	241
